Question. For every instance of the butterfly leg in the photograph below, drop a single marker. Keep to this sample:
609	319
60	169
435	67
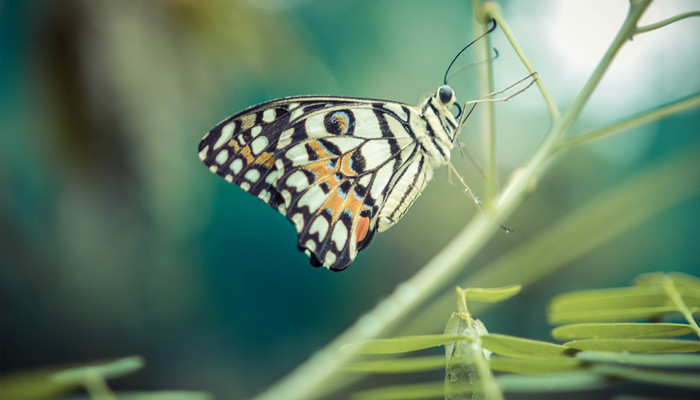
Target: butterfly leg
485	98
468	192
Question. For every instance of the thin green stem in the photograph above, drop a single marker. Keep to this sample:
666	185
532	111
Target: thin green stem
632	122
462	301
672	292
629	26
495	14
96	386
661	24
487	111
489	386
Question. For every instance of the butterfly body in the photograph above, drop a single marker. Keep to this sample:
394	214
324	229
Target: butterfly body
339	168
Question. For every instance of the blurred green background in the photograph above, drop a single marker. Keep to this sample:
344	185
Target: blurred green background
116	240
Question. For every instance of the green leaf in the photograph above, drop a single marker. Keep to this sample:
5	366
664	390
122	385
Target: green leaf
399	365
612	314
620	331
679	279
400	344
403	392
534	366
636	345
604	299
492	295
684	280
688	286
665	378
108	370
512	346
554	383
643	360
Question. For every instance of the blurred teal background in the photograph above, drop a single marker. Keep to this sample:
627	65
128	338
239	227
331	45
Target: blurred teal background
116	240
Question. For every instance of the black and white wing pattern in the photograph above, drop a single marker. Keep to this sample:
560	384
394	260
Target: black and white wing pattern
339	168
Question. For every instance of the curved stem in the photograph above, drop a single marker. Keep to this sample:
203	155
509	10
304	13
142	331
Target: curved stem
629	26
661	24
637	120
553	110
673	294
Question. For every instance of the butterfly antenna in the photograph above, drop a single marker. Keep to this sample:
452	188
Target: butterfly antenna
493	21
463	67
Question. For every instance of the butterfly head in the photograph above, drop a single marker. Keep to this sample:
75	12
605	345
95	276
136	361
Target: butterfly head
441	102
446	95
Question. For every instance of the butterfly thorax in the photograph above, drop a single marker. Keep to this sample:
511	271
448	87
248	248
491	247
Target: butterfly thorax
438	134
434	132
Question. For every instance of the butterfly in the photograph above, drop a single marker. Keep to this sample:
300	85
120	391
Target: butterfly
340	169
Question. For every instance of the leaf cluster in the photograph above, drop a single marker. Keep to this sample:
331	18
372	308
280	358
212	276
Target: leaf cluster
605	344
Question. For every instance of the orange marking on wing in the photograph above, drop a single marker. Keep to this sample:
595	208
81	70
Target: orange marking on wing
345	165
334	202
321	169
361	229
322	153
341	121
355	205
267	160
243	151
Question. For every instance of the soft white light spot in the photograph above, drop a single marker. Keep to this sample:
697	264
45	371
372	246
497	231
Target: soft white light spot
236	166
252	175
203	153
222	157
330	259
268	115
226	133
258	145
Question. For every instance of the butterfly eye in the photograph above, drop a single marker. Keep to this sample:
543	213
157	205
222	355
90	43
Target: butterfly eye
446	94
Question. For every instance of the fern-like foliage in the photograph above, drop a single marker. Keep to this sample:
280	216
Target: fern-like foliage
645	334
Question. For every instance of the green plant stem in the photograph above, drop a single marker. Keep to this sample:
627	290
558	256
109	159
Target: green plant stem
96	386
672	292
637	8
551	106
637	120
304	382
486	110
661	24
488	128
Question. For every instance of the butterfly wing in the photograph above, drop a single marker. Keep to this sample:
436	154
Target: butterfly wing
326	163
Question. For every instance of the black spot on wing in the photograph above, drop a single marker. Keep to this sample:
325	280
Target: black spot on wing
330	147
357	162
